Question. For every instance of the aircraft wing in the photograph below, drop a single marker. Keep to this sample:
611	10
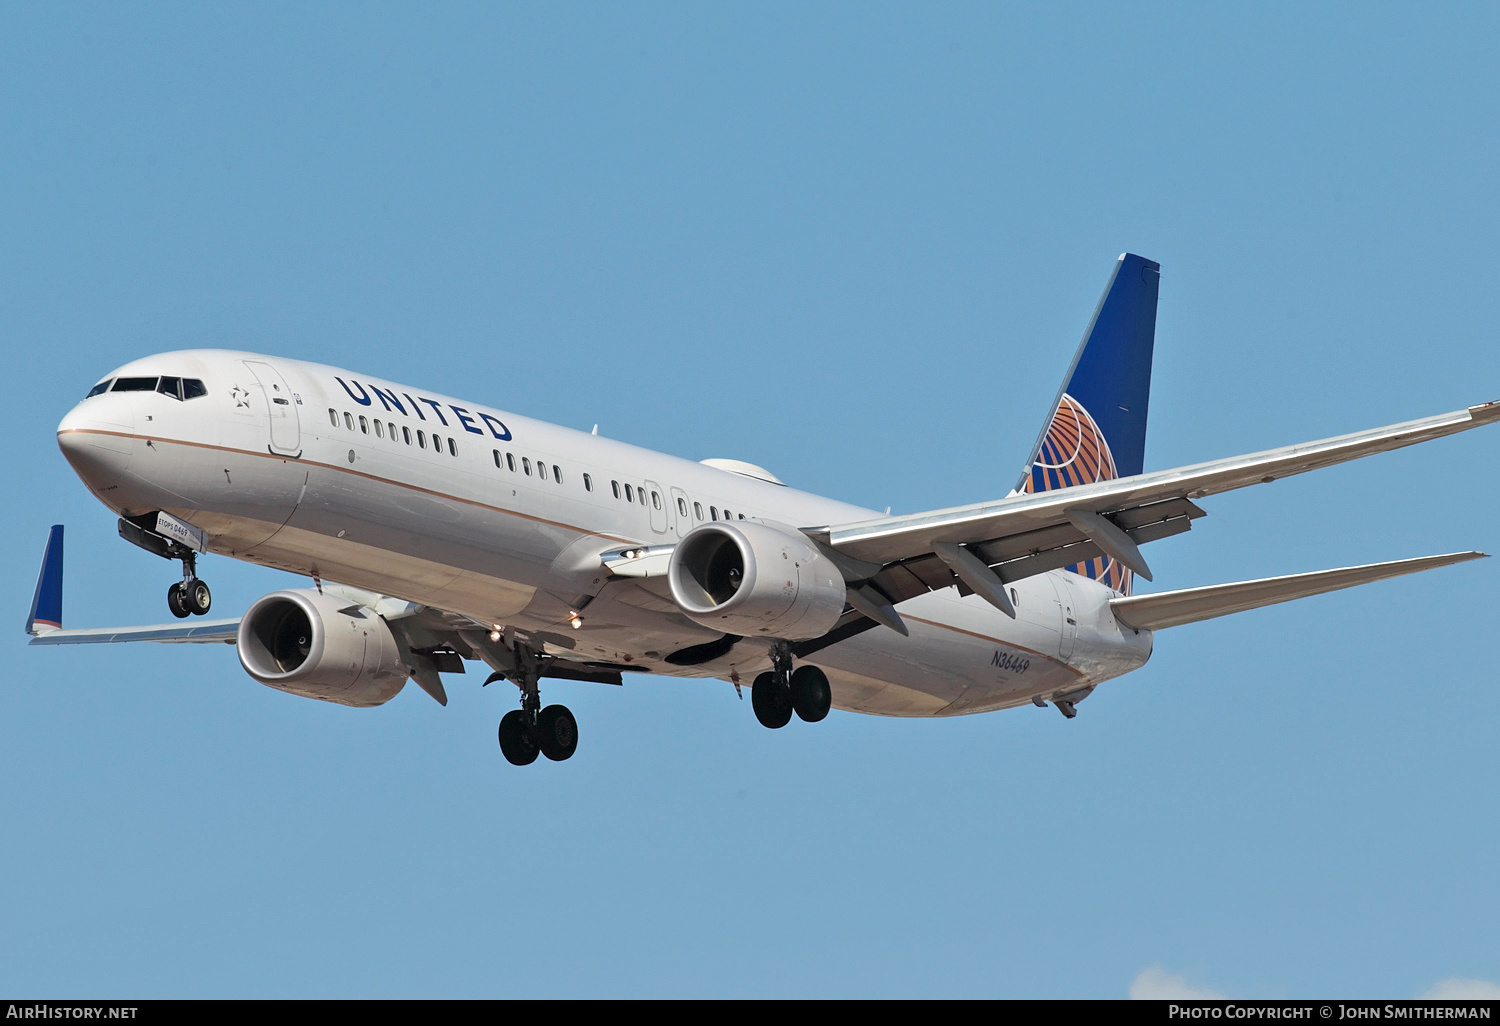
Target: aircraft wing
1030	533
200	632
1174	608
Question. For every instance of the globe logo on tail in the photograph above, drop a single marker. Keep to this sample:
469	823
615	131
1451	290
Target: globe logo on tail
1074	452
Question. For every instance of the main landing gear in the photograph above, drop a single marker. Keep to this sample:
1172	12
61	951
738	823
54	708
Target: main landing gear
532	730
189	596
780	691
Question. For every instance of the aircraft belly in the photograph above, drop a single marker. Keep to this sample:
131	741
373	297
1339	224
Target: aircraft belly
963	656
389	572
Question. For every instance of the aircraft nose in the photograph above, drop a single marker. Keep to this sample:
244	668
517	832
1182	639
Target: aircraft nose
98	438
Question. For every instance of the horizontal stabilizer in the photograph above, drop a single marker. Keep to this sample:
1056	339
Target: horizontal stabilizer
200	632
1173	608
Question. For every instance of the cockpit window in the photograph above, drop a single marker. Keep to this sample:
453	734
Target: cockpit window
103	386
134	385
171	387
192	388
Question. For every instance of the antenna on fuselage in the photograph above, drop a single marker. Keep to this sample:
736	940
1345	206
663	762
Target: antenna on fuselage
595	431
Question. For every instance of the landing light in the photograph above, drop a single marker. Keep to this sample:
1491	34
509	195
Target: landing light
575	620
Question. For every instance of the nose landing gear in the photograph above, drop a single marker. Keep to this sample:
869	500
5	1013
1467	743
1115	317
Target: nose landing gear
189	597
780	691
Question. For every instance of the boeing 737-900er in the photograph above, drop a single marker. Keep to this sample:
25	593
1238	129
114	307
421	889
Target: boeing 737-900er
437	530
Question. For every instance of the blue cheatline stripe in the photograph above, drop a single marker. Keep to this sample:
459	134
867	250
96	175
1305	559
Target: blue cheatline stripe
46	604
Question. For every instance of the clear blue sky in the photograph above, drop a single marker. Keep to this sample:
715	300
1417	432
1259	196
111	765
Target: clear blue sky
856	244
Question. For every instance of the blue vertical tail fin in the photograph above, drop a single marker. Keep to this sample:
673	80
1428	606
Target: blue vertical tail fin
46	604
1097	426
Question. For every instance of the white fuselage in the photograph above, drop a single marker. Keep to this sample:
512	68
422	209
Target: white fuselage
281	463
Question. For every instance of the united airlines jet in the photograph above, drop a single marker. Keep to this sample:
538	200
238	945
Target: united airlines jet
437	530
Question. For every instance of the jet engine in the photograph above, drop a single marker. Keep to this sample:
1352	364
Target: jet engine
751	579
314	645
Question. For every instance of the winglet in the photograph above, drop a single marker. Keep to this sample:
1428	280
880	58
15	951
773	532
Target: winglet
46	604
1485	412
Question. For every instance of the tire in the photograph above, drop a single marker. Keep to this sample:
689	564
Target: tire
772	701
177	601
811	695
516	742
557	733
198	598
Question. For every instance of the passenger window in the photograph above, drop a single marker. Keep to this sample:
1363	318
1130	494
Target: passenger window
349	421
541	470
557	473
421	439
640	493
526	465
452	447
333	416
629	494
134	385
100	388
1013	599
171	387
379	430
742	516
655	500
728	515
614	486
498	465
713	513
510	462
192	388
437	444
392	429
681	507
588	483
697	511
406	435
364	426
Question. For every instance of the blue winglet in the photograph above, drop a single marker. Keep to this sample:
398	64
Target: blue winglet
46	604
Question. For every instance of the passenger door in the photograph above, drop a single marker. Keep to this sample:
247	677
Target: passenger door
1067	601
281	408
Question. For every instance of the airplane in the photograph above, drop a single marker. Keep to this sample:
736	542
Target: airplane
437	531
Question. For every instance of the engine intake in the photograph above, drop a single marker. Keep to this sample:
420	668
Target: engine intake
314	645
752	579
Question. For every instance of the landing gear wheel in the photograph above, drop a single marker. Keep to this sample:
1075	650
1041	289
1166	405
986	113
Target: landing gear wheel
197	597
771	700
516	741
557	733
811	695
177	601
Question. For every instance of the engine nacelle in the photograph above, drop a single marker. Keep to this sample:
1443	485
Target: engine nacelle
753	580
317	646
